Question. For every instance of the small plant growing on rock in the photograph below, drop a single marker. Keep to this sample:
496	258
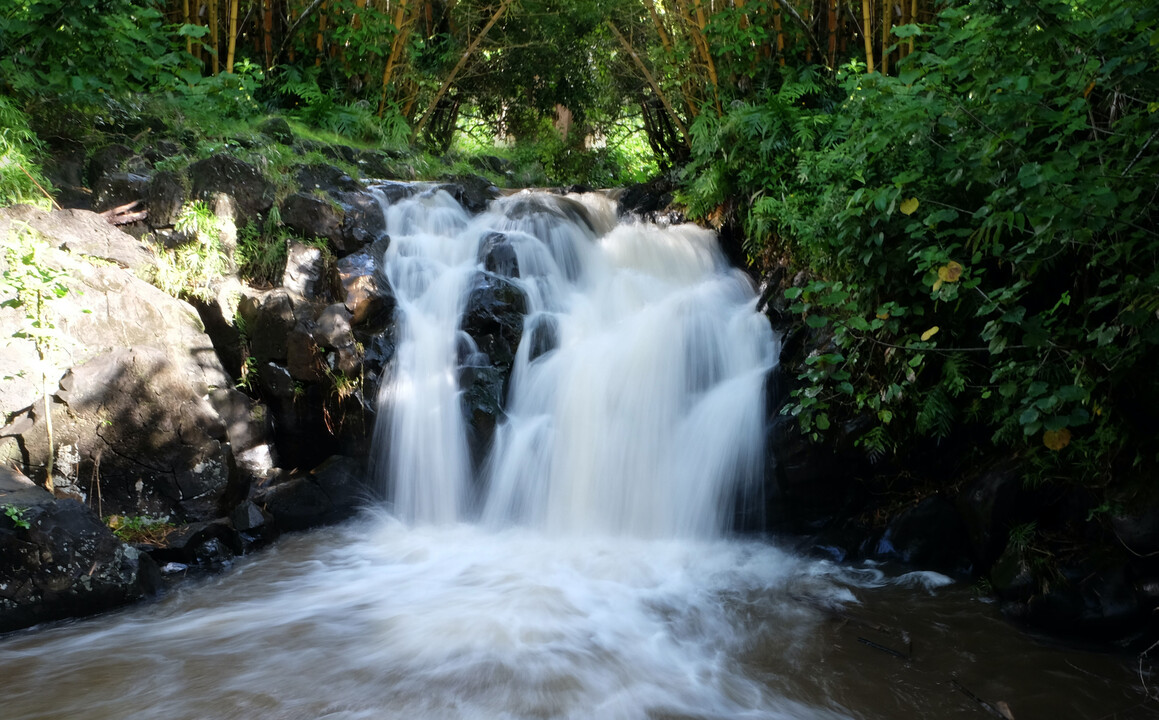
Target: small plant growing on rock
135	529
17	516
30	284
190	269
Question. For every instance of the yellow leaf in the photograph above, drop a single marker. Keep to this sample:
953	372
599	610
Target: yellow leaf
930	333
937	285
950	272
883	316
908	207
1056	439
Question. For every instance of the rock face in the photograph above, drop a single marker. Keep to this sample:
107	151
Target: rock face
58	560
131	418
493	320
252	194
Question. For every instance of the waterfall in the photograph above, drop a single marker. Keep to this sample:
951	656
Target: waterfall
634	403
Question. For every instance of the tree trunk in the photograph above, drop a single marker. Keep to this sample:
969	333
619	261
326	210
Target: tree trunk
832	20
867	33
886	26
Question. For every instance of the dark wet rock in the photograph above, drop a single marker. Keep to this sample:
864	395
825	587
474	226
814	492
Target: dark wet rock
498	255
204	544
930	535
363	221
647	199
808	486
248	427
392	192
109	159
252	194
304	357
330	493
66	563
473	192
116	189
544	336
332	328
304	269
164	197
278	130
162	150
990	507
491	163
343	153
270	319
1138	528
326	178
364	291
493	320
1096	602
313	216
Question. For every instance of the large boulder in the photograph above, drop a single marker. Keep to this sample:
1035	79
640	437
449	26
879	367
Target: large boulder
133	431
473	192
57	560
313	216
252	194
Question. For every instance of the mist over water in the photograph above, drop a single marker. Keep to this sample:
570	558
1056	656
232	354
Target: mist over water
582	570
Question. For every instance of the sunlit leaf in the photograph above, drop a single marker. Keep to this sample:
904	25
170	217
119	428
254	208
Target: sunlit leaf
930	333
950	272
909	207
1056	439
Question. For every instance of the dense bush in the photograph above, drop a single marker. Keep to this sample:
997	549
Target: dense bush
980	233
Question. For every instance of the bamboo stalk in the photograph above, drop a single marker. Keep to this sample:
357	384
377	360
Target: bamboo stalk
886	26
268	33
214	44
188	39
426	116
232	35
652	82
319	41
701	24
401	27
832	21
777	25
867	34
904	48
913	19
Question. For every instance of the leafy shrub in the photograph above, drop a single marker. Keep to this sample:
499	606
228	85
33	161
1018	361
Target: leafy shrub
980	231
190	269
21	180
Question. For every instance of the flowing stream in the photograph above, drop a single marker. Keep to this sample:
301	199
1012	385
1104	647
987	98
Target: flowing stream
579	569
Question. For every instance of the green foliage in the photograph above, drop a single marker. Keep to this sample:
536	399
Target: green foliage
261	251
18	516
139	528
29	284
87	48
20	174
980	230
190	269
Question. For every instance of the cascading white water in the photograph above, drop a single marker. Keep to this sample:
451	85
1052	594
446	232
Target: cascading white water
643	419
